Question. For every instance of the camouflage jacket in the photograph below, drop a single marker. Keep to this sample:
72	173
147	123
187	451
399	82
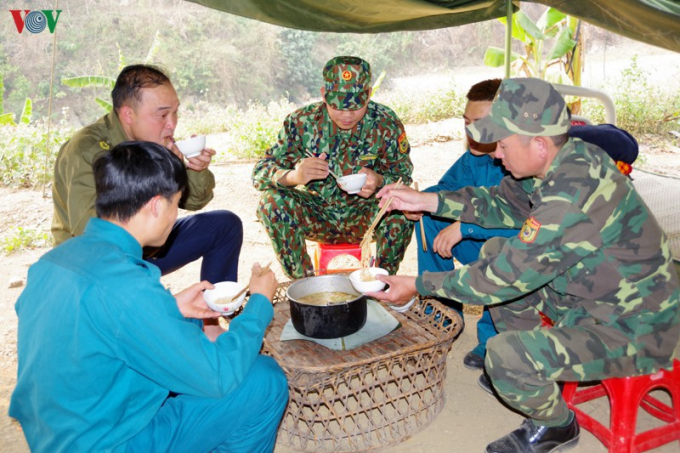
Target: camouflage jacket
588	245
378	142
73	191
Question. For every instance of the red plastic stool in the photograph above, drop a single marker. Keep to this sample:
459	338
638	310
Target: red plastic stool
625	396
324	253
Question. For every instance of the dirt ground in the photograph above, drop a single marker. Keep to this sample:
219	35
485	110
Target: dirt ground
470	419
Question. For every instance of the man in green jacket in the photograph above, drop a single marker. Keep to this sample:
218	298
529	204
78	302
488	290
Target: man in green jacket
145	107
586	291
346	133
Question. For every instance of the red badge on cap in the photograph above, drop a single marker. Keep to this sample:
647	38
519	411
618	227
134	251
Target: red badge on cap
346	75
529	231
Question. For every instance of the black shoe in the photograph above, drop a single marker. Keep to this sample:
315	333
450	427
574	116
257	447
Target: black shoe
473	361
485	383
531	438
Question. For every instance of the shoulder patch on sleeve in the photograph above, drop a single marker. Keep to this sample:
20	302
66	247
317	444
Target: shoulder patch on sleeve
403	143
529	230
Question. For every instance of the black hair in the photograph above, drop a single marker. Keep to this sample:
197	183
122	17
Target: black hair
130	82
484	90
131	174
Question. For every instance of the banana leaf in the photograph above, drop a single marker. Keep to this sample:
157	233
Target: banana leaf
495	57
122	62
7	119
563	44
549	18
528	26
104	104
155	47
89	82
377	83
27	113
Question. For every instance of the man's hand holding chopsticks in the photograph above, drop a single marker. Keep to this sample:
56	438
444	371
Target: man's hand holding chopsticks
407	199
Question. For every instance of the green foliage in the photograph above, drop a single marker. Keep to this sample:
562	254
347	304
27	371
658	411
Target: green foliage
109	82
7	119
27	113
418	108
640	107
25	239
205	118
300	68
538	62
256	129
390	52
89	81
23	160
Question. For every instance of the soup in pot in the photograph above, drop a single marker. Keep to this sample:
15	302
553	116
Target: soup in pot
326	298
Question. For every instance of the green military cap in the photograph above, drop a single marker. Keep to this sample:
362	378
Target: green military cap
347	83
522	106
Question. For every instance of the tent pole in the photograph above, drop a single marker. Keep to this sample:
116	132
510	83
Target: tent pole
508	37
48	139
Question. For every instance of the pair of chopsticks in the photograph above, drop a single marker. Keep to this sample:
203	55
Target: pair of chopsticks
311	154
381	213
422	226
262	271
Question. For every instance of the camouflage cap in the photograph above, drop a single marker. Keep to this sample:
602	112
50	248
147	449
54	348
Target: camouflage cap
522	106
347	83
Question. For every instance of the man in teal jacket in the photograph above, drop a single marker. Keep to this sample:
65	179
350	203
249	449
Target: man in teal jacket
94	376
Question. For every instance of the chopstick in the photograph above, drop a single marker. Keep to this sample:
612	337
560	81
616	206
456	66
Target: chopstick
262	271
422	226
369	232
311	154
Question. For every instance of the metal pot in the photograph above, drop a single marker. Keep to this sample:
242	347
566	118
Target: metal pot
334	320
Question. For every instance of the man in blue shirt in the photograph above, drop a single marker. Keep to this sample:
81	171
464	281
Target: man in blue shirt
109	360
448	239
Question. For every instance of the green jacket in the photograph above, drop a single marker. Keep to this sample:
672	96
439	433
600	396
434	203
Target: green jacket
588	246
378	142
73	191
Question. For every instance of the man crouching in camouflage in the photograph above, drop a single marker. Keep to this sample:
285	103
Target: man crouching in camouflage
590	260
346	133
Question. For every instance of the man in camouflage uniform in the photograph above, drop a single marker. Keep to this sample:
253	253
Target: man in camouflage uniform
346	133
590	260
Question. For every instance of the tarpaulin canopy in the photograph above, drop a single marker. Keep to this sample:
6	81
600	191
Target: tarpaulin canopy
655	22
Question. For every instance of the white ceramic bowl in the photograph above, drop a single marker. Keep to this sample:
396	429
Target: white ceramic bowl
404	308
191	147
367	286
224	292
352	183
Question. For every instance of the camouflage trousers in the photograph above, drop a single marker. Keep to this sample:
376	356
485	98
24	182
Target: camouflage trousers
526	360
290	216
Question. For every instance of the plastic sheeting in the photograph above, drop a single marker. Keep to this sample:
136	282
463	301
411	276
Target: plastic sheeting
655	22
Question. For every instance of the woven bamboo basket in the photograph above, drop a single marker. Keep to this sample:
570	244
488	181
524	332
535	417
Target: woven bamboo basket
373	396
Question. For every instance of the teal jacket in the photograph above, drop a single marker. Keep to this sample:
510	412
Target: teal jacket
101	343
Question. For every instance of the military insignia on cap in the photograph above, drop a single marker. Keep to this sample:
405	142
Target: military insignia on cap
104	145
347	75
529	230
403	143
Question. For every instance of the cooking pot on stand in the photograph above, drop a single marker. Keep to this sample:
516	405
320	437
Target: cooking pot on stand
326	320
